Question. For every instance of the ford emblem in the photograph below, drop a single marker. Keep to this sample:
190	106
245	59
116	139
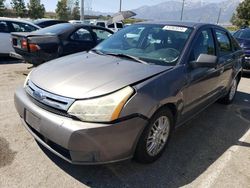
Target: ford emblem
38	95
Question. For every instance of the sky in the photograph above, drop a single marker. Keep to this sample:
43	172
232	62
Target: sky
108	5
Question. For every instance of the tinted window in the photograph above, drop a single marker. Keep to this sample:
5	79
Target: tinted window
235	45
119	25
22	27
4	27
111	26
223	42
101	34
156	44
82	35
55	29
243	34
204	44
102	24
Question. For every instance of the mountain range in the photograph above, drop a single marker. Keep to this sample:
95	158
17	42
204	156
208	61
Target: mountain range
196	10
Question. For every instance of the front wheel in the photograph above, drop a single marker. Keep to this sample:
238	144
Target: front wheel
154	138
228	99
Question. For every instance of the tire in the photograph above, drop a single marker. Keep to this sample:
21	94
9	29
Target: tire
149	149
229	98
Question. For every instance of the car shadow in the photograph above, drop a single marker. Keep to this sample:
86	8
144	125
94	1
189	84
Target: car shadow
191	151
9	60
246	74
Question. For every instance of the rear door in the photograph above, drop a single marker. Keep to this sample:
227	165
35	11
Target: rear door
202	85
227	58
5	37
80	40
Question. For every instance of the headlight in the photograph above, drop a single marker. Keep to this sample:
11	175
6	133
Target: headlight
102	109
26	80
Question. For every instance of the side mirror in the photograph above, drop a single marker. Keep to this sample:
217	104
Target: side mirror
205	60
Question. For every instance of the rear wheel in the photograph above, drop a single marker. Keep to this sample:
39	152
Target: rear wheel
155	137
228	99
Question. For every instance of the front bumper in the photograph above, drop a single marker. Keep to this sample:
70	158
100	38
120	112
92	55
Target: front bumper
79	142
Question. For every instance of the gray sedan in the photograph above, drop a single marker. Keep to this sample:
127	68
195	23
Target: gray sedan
125	97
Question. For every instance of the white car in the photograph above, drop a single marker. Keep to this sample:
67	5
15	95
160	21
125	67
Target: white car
8	25
114	26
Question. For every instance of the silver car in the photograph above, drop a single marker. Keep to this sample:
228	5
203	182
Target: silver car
125	97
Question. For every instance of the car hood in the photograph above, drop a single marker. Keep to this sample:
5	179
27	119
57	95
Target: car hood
87	75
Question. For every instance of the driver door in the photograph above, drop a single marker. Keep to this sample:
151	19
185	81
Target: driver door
203	84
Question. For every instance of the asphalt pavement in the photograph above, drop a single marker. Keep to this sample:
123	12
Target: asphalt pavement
212	150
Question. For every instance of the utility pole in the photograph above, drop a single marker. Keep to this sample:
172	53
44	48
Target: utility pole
120	5
218	20
182	10
82	10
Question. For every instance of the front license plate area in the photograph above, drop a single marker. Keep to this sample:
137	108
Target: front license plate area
32	120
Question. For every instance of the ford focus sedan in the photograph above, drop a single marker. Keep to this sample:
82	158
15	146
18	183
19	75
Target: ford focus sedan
124	98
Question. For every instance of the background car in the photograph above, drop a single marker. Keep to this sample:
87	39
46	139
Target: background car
56	41
48	22
114	26
243	37
8	25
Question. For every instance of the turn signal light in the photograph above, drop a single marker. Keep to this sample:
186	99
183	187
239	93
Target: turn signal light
34	47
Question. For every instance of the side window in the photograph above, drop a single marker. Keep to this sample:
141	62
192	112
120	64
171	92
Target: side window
22	27
119	25
235	45
101	35
111	26
82	35
102	24
204	44
4	27
223	42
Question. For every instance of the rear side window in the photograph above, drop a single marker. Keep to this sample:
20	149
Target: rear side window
101	24
119	25
4	27
22	27
223	42
111	26
235	45
101	34
204	44
82	35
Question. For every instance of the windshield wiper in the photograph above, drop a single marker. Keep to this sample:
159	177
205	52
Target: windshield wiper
127	56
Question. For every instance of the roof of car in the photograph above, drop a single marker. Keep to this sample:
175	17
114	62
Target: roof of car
18	20
177	23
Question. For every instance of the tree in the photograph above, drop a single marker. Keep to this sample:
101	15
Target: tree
2	7
36	9
19	7
242	15
62	10
2	4
75	15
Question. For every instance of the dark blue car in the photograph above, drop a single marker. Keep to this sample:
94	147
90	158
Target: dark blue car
243	37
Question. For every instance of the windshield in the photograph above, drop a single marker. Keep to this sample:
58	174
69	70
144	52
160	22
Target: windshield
243	34
156	44
55	29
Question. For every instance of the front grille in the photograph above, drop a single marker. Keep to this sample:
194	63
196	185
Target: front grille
59	149
43	97
52	110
